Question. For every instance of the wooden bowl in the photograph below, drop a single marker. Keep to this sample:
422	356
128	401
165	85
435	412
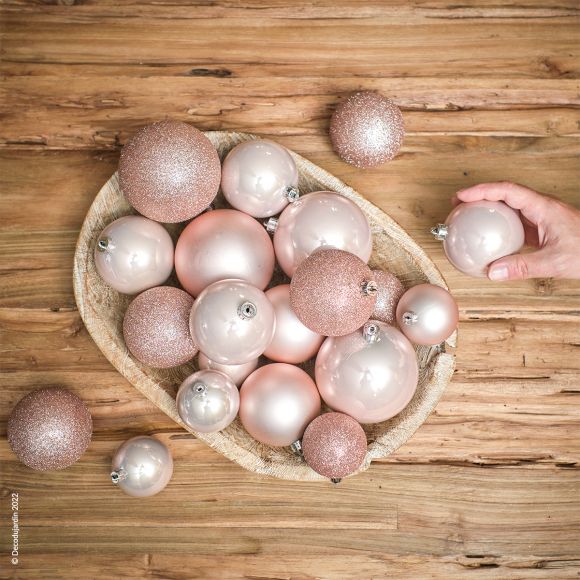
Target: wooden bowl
102	310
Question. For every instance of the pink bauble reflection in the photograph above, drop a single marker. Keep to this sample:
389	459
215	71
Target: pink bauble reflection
293	342
238	373
370	374
223	244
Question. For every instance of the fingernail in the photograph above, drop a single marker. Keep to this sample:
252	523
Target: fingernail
498	273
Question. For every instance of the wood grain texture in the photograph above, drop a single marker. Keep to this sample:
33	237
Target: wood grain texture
489	486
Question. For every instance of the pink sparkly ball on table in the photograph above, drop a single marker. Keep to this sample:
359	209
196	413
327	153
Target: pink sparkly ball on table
238	373
293	342
156	327
333	292
259	178
133	254
322	219
367	129
477	233
277	402
370	374
169	171
334	445
49	429
427	314
389	291
223	244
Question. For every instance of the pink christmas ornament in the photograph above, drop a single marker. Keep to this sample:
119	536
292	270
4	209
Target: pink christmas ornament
169	171
320	220
277	402
259	178
232	322
389	291
220	245
477	233
427	314
156	327
133	254
371	374
237	373
333	292
293	342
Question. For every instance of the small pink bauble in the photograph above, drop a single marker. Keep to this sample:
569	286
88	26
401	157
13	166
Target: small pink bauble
232	322
133	254
371	374
277	402
259	178
477	233
390	289
367	129
427	314
169	171
238	373
223	244
293	342
322	219
333	292
334	445
156	327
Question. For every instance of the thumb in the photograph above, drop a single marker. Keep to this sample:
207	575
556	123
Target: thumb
520	267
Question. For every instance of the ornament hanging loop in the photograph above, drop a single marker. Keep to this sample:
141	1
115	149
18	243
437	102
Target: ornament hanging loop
440	232
371	332
247	310
119	475
336	480
103	244
271	224
296	447
369	288
292	194
410	318
199	388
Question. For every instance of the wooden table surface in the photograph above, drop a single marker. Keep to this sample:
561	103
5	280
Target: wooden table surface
489	487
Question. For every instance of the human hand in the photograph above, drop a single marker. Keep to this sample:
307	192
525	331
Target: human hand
550	225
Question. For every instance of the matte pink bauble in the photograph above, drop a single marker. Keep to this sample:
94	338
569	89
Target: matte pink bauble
223	244
370	374
169	171
427	314
156	327
477	233
259	178
232	322
238	373
389	291
133	254
277	402
334	445
293	342
321	220
333	292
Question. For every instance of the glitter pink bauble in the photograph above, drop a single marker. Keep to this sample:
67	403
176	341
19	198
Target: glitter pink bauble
156	327
389	291
169	171
334	445
332	292
367	129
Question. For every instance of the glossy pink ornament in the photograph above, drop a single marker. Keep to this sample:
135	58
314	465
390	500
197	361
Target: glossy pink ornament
321	220
133	254
293	342
389	291
237	373
371	374
277	402
333	292
427	314
169	171
334	445
259	178
156	327
477	233
232	322
220	245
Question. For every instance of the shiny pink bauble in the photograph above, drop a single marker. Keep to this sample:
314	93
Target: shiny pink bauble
238	373
293	342
477	233
169	171
232	322
321	220
370	376
332	292
259	178
427	314
389	291
223	244
133	254
277	402
156	327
